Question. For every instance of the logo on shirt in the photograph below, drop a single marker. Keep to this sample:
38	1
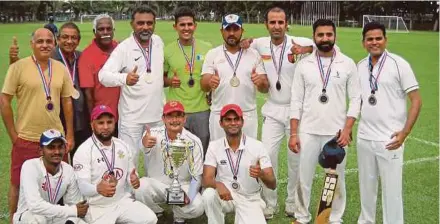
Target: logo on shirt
121	154
77	167
395	157
199	57
118	172
266	57
137	58
223	162
100	160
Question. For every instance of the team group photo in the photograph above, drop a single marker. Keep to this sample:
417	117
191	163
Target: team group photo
228	112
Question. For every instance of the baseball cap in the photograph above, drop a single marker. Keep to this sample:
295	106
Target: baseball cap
51	135
173	106
331	155
99	110
231	19
231	107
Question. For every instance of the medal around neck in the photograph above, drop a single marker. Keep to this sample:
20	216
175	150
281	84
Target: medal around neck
49	106
278	85
191	81
234	82
148	78
178	150
235	185
372	100
323	98
75	94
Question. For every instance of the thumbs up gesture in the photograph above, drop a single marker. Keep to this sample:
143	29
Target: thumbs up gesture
215	80
132	77
13	51
134	179
255	170
297	49
148	140
256	79
175	81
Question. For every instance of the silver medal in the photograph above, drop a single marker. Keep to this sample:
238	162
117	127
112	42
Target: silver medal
234	81
148	78
235	185
323	98
372	100
75	94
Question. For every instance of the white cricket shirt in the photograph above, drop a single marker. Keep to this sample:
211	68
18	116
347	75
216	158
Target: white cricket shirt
251	151
316	117
159	162
262	45
243	95
142	102
389	115
90	168
34	190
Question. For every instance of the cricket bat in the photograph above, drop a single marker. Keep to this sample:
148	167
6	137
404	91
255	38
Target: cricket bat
326	199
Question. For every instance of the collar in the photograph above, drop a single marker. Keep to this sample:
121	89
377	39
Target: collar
44	171
134	45
381	57
312	58
242	145
97	143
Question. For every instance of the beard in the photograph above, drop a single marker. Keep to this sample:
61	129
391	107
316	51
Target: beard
232	41
101	137
144	35
325	46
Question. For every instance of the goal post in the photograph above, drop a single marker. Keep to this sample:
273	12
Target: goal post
391	23
87	18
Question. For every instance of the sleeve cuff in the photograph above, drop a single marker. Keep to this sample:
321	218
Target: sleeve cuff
123	78
411	88
71	211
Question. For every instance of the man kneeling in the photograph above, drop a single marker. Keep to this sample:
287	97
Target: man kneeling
44	181
234	168
158	146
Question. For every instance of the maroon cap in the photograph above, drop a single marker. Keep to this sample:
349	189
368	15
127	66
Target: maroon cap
173	106
231	107
99	110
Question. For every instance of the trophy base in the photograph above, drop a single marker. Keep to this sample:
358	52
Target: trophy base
175	197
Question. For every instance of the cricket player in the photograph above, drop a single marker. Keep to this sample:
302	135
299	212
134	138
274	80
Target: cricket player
234	75
387	80
318	110
277	51
153	188
182	73
44	181
235	168
136	65
106	175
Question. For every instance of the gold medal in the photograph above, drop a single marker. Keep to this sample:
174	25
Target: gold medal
148	78
234	81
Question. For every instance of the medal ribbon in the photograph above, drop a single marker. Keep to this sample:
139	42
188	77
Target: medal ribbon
193	55
325	78
235	166
72	72
46	85
280	63
110	166
373	80
234	67
53	197
147	56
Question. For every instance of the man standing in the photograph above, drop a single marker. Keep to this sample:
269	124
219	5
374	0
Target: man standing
233	75
153	188
105	172
276	55
136	65
387	80
321	84
41	84
183	66
91	61
68	41
44	181
234	168
66	53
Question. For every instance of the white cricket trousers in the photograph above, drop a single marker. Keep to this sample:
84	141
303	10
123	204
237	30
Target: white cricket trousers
126	210
276	125
311	146
28	217
375	160
153	192
248	208
250	126
131	133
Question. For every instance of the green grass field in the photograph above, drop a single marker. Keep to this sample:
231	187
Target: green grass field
421	170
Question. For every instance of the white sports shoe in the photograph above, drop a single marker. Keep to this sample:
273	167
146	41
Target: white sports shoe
290	210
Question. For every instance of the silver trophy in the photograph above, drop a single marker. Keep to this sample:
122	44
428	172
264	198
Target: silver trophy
177	152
